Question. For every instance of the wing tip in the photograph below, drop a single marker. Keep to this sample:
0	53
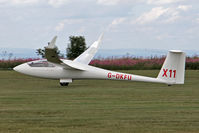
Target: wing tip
52	45
101	37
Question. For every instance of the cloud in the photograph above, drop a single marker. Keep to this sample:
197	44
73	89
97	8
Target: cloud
164	15
162	2
174	13
184	7
150	2
24	1
3	1
53	3
152	15
164	36
60	26
108	2
19	2
172	16
57	3
118	21
117	2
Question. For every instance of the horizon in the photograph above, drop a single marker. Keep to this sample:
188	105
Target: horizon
102	53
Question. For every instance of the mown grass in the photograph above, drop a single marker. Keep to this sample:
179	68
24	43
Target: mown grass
33	105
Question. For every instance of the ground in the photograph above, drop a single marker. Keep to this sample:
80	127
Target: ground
34	105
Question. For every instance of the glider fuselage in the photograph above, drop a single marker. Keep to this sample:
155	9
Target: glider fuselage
48	70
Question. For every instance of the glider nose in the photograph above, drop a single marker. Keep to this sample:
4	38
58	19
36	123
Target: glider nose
17	68
20	68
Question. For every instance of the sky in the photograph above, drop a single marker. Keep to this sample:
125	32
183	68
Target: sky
142	24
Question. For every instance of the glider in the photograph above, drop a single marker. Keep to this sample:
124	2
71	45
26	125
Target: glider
172	71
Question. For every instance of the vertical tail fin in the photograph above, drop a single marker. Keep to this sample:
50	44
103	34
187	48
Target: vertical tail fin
173	69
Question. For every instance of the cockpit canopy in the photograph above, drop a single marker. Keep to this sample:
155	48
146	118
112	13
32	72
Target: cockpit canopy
40	63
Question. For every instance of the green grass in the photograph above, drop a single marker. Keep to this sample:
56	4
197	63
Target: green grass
33	105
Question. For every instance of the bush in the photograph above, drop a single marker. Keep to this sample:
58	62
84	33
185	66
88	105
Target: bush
116	63
10	64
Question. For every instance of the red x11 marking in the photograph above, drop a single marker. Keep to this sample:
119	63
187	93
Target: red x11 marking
172	73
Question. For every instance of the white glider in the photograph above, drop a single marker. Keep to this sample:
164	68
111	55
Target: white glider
172	72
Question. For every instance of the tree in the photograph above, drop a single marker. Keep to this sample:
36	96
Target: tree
40	52
76	46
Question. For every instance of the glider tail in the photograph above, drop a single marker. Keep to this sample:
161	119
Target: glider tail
173	69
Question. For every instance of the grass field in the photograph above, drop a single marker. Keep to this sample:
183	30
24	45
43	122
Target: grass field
33	105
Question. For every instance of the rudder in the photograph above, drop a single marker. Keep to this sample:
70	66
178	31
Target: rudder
173	69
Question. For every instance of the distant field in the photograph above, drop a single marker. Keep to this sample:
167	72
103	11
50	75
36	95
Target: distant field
33	105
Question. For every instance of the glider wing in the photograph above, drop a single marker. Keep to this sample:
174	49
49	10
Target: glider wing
88	55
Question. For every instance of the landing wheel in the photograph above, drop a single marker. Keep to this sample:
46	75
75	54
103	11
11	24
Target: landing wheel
64	84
